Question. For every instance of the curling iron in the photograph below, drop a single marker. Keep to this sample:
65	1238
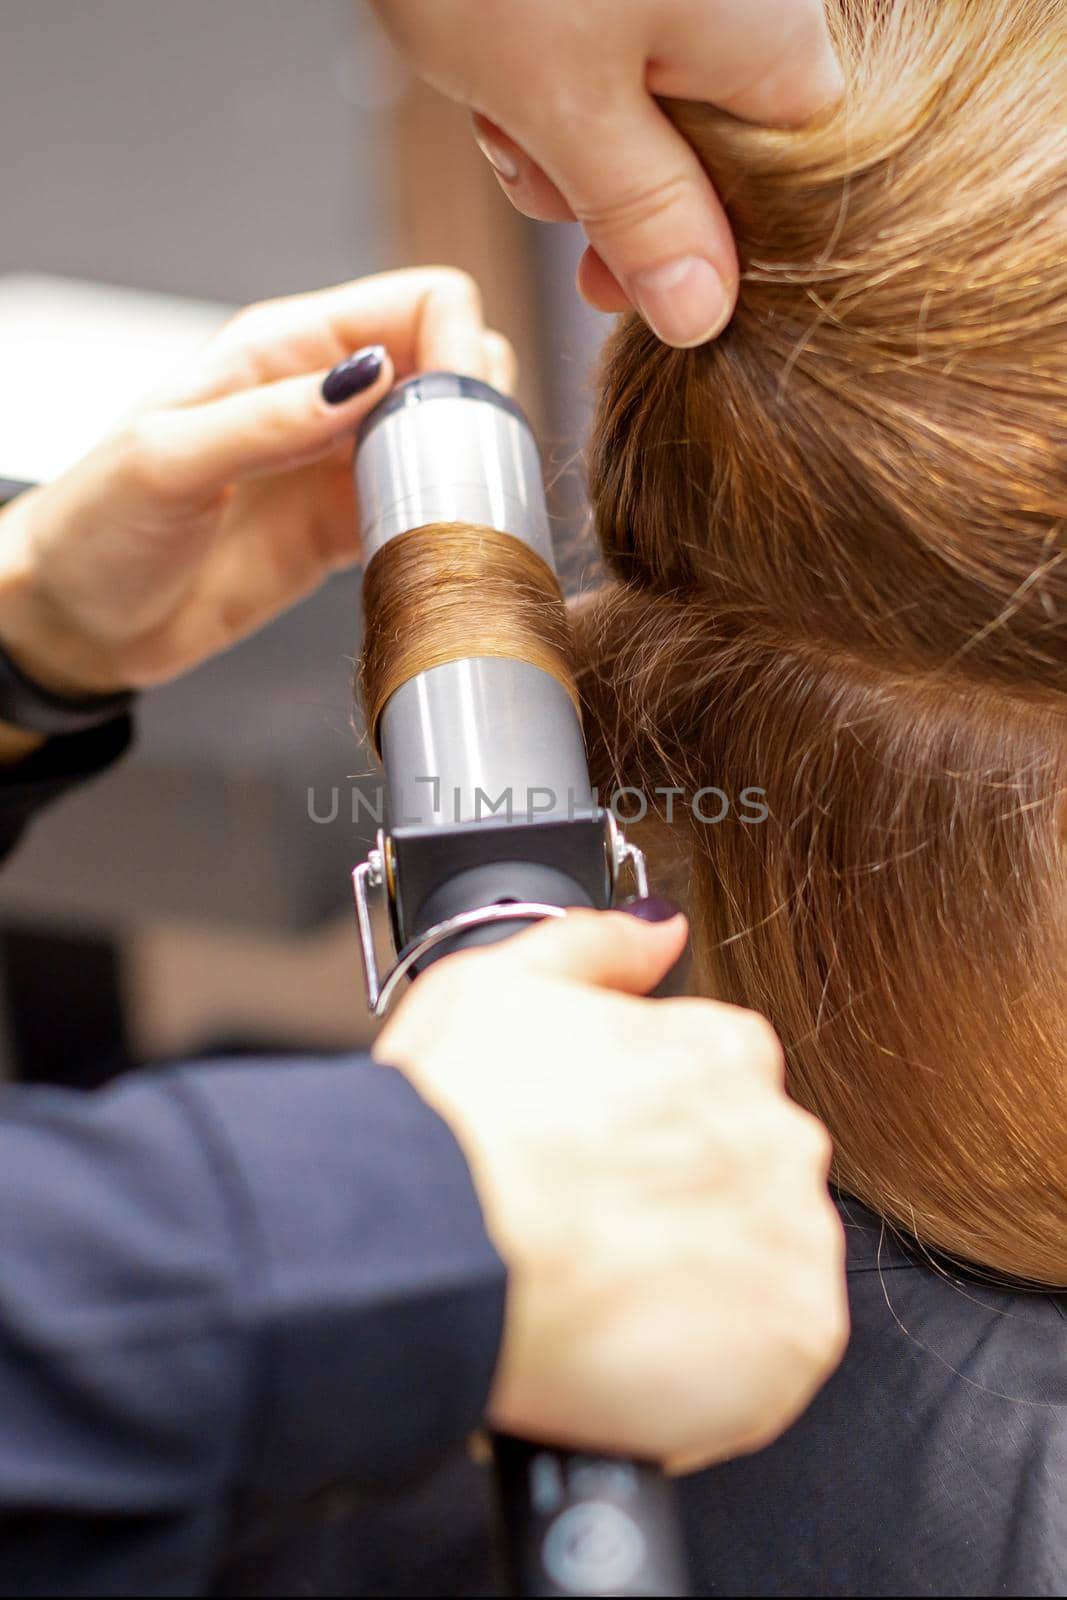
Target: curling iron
490	825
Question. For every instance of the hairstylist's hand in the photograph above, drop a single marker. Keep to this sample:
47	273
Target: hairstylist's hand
676	1285
230	497
563	96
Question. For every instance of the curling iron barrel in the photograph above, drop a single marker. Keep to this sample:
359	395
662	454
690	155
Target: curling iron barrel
444	450
491	825
488	800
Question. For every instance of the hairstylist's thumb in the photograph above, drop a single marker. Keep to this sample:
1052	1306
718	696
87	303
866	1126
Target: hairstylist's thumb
603	150
629	951
659	237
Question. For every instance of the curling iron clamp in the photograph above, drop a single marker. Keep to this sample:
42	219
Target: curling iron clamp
491	825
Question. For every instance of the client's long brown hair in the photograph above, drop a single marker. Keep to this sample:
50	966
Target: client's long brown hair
839	557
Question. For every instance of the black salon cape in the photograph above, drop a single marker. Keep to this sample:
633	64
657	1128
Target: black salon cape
933	1463
272	1276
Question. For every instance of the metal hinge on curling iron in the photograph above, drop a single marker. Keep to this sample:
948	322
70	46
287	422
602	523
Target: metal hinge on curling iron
374	877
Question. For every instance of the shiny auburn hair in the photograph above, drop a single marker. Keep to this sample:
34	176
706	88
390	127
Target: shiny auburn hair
837	547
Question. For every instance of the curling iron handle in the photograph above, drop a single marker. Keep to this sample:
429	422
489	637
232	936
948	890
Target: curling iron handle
579	1524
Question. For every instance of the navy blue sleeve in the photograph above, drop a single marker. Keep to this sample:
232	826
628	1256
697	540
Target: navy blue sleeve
221	1282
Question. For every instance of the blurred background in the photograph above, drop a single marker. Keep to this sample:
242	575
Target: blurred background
164	163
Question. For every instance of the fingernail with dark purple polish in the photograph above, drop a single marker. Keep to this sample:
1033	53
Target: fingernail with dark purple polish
352	376
653	908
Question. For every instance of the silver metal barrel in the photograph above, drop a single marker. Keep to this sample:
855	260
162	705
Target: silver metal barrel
484	736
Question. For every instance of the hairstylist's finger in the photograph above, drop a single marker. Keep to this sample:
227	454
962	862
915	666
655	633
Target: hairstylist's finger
192	453
452	328
501	361
606	948
600	287
652	216
427	318
530	190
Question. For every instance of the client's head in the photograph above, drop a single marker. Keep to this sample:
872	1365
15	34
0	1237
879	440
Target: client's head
838	546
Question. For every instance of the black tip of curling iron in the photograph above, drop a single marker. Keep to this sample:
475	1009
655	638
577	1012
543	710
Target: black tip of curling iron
438	386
